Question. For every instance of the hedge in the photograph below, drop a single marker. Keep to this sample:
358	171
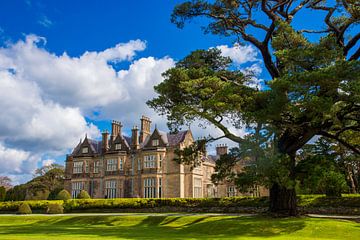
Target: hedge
234	204
40	205
140	203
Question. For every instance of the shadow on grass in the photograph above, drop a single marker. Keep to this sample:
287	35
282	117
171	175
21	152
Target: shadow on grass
156	227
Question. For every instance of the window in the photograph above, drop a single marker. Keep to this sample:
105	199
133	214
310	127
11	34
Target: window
121	164
155	142
110	189
118	146
149	161
139	164
149	188
231	191
96	166
86	166
160	160
85	150
111	165
160	187
76	187
197	188
78	167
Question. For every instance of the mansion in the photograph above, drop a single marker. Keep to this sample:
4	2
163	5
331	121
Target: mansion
141	166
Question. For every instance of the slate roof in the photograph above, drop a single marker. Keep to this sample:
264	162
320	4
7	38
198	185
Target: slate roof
168	139
175	139
212	158
95	146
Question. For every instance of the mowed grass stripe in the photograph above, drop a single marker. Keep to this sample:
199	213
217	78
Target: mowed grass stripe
174	227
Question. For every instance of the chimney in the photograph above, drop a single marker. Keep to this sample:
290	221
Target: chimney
135	137
144	128
105	140
115	129
221	149
68	166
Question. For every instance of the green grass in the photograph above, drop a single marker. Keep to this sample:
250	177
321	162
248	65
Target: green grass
174	227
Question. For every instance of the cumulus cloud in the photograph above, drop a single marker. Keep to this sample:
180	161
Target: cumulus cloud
253	72
87	81
13	160
47	98
47	162
239	54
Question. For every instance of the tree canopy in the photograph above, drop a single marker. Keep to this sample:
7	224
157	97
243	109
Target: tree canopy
314	87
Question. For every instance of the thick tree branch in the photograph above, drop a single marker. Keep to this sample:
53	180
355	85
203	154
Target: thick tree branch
351	43
348	145
224	129
356	55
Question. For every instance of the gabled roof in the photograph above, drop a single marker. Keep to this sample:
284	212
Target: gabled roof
161	136
93	145
120	140
176	138
169	139
211	158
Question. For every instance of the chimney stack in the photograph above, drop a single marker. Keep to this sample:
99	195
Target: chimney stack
221	149
105	140
135	137
115	129
144	128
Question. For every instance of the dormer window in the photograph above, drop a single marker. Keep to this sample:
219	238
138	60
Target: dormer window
85	150
155	142
118	146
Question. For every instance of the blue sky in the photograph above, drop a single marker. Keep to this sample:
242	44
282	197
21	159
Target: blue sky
68	67
52	50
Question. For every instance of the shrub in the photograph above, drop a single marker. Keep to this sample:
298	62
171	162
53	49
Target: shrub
54	193
334	184
83	195
63	195
2	193
37	195
24	208
55	208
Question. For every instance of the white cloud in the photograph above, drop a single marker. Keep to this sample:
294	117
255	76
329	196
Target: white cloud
34	123
47	162
253	72
46	98
87	81
15	161
239	54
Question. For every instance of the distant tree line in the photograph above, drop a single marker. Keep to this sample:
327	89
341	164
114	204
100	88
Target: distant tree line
48	181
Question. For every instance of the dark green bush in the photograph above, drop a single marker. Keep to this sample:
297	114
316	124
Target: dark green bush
24	208
181	204
83	195
2	193
55	208
63	195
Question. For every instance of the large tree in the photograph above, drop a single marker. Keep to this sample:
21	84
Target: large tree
314	87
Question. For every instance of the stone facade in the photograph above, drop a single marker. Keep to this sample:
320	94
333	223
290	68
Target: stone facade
139	166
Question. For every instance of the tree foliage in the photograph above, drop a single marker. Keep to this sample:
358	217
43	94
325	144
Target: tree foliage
5	182
314	90
45	185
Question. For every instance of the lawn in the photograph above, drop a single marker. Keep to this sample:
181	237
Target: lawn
174	227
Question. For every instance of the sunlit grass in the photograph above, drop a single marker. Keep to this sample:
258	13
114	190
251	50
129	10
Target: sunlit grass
174	227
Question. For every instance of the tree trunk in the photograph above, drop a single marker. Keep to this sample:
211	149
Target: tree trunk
282	200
